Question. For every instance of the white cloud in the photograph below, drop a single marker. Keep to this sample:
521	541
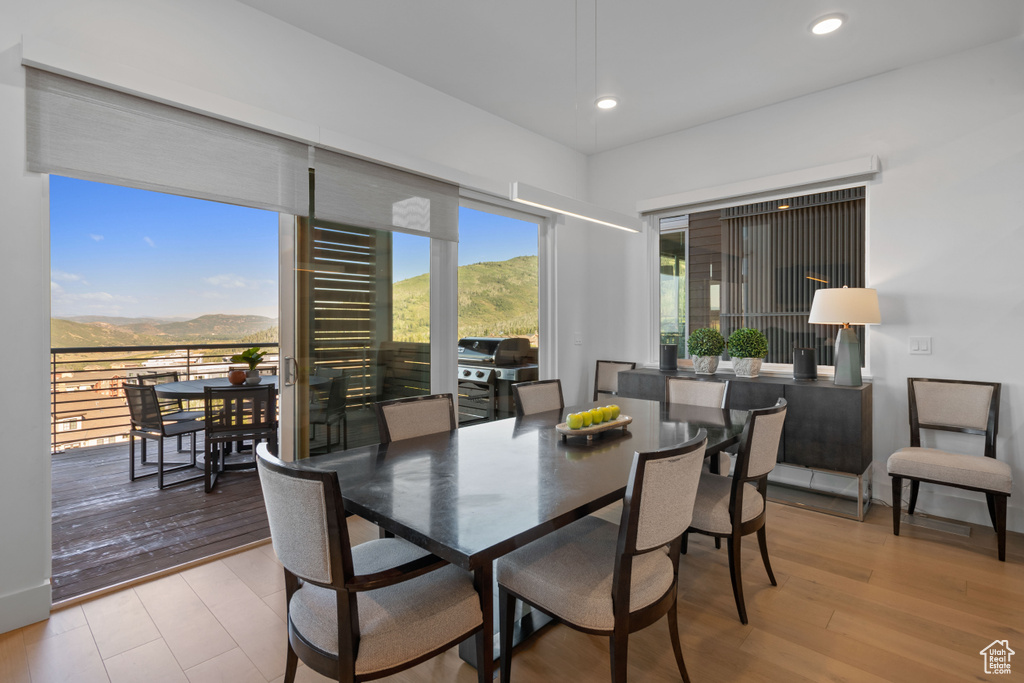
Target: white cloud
61	276
96	238
149	241
232	281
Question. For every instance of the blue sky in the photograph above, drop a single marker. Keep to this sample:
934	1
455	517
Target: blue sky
118	251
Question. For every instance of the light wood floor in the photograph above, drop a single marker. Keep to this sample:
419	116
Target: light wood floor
854	603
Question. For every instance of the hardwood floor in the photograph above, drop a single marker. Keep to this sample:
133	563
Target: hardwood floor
854	603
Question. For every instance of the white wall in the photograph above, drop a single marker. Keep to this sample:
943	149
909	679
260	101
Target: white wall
945	226
249	62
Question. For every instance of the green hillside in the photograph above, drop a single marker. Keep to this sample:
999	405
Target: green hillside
132	332
496	298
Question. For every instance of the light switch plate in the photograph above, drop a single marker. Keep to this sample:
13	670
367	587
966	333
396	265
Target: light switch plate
577	339
921	346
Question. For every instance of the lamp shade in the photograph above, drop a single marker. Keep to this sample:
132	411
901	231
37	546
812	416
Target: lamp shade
845	306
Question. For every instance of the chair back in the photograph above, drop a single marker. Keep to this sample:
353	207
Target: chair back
658	506
697	392
307	520
143	407
537	397
407	418
336	395
606	375
759	443
167	405
956	406
237	413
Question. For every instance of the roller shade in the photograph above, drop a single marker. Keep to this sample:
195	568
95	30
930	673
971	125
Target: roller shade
87	131
360	193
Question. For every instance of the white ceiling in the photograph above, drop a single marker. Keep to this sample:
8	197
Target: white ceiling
673	64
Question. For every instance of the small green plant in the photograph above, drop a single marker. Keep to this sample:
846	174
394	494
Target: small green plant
706	341
747	342
250	357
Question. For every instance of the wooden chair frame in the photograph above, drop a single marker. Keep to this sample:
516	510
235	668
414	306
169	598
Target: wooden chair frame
382	423
516	388
597	373
626	622
345	585
226	410
996	500
740	477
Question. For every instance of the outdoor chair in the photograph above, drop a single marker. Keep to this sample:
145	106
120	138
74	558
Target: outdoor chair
148	422
953	406
329	409
173	409
236	416
357	613
611	580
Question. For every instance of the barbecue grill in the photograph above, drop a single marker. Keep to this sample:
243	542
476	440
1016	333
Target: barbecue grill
488	367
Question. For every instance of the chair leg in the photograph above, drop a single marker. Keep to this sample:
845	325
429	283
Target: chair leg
762	540
999	503
506	617
673	632
912	505
682	546
619	654
344	432
897	503
990	499
160	463
718	543
735	575
291	664
131	457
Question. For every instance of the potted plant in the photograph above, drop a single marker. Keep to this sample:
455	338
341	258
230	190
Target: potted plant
252	358
748	347
705	345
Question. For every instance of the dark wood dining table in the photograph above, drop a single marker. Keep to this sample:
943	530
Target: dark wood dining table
479	492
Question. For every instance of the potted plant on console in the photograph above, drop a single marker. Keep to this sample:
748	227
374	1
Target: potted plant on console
252	358
748	348
705	345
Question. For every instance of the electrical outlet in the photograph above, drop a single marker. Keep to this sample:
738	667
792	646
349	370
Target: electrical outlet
577	339
920	346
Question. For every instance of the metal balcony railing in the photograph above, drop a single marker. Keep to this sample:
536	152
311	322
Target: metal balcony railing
87	405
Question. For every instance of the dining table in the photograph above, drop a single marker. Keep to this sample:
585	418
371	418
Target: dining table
478	492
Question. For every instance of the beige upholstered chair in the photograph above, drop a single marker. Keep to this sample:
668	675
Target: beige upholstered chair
363	612
407	418
953	406
606	579
720	498
537	397
697	392
606	375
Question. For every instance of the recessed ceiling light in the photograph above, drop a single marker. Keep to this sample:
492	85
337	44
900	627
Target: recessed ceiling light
827	24
606	102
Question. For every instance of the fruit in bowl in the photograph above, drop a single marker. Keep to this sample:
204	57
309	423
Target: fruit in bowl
588	419
574	420
606	413
615	411
596	415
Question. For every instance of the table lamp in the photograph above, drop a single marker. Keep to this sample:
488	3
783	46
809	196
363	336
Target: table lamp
846	306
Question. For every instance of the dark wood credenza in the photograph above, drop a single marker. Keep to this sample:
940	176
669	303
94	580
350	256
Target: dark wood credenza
827	427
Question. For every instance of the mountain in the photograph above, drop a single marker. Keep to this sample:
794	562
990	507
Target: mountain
496	298
113	320
66	333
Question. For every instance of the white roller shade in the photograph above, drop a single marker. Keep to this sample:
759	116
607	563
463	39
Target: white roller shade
86	131
368	195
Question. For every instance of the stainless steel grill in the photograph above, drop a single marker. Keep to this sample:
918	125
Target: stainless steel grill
488	367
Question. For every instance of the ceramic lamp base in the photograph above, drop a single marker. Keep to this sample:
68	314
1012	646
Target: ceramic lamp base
848	359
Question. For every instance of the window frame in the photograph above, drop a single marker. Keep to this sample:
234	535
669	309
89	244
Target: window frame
652	230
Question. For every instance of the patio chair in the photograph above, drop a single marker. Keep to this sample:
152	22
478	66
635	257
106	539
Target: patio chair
236	416
147	422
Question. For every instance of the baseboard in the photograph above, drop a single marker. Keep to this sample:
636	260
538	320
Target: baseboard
24	607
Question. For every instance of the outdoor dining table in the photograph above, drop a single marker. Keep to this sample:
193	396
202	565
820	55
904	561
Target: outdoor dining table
193	389
479	492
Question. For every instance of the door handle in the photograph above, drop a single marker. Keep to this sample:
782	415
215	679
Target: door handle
291	371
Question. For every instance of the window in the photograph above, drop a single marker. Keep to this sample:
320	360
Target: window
758	265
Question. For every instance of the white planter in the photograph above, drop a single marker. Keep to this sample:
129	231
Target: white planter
747	367
705	365
252	377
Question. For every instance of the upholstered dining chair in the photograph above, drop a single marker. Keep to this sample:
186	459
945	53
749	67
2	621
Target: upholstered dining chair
356	613
611	580
606	375
148	422
953	406
537	397
412	416
236	416
731	508
697	392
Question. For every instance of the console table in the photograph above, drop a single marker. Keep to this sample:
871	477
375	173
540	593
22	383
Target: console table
828	428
